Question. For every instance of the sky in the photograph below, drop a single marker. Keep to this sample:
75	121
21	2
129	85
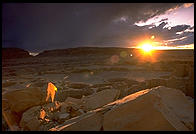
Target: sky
44	26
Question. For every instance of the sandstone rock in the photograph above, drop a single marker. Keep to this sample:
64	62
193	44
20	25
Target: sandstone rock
21	100
99	99
74	112
190	83
133	89
5	126
127	81
30	119
159	108
52	107
87	122
78	85
11	119
60	117
63	116
177	83
62	95
180	70
142	85
72	108
155	82
88	91
75	93
39	84
73	100
101	85
103	88
8	83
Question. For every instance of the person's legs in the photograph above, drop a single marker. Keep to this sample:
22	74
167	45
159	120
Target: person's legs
48	95
48	92
52	95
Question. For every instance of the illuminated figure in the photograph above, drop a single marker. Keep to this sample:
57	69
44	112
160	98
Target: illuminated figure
51	91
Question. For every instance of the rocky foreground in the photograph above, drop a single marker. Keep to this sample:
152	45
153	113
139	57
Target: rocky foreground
158	108
98	90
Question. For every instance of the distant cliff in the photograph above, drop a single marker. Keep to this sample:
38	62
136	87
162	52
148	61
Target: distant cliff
12	53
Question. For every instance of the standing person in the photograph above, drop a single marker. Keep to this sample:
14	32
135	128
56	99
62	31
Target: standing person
51	91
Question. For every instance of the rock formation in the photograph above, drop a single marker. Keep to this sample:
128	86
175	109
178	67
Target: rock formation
159	108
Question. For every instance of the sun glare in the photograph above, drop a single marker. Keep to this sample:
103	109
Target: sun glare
147	47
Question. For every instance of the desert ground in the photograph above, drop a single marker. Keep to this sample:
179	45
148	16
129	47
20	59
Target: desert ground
98	89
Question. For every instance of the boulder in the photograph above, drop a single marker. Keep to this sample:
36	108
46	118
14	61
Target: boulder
177	83
42	117
88	91
99	99
126	81
52	107
190	83
101	85
75	93
11	119
91	121
21	100
60	117
155	82
72	106
73	100
5	126
78	85
30	119
159	108
133	89
8	116
8	83
61	95
39	84
63	116
103	88
180	70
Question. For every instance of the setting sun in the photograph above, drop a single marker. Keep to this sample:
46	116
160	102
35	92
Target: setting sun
147	47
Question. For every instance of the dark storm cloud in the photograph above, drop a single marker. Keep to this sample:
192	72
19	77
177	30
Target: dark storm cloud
186	39
170	34
166	33
49	26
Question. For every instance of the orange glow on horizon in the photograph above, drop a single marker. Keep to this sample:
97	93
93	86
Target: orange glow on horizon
156	43
147	47
160	47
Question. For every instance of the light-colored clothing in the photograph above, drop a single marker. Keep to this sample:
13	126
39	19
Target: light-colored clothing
51	91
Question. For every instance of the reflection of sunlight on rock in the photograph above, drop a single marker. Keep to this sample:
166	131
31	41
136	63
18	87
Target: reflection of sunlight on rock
28	85
114	59
65	77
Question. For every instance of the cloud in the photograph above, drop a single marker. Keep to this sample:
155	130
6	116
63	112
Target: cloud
187	5
55	25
